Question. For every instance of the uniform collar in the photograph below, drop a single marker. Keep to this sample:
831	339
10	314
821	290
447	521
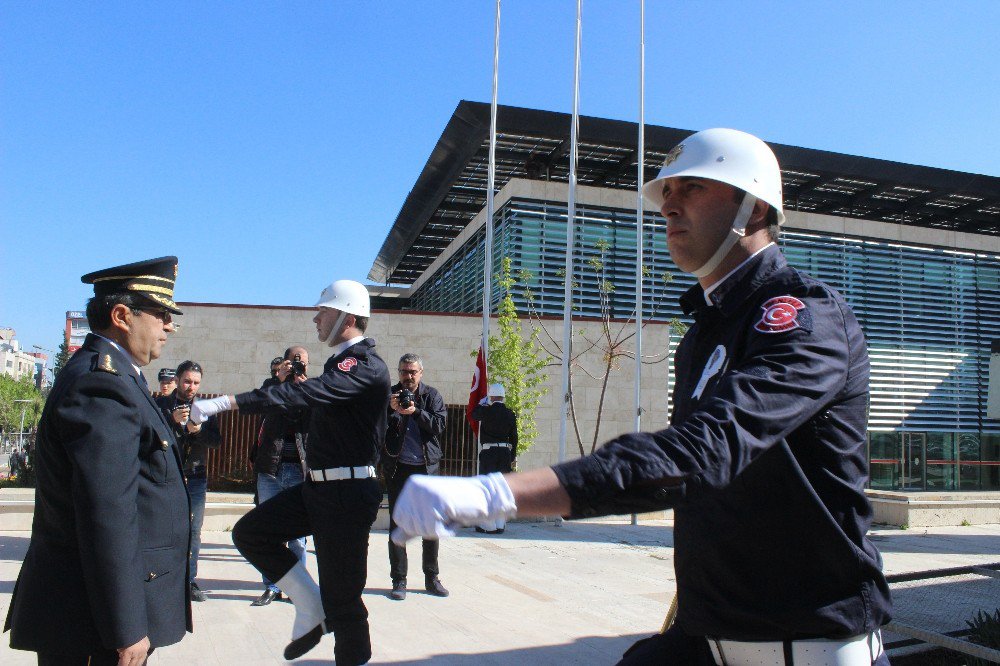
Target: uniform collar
124	352
347	344
736	287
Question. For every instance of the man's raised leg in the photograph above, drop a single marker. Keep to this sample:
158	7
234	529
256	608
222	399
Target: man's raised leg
261	536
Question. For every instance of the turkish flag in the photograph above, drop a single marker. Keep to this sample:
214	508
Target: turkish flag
478	390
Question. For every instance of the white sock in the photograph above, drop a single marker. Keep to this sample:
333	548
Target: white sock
304	593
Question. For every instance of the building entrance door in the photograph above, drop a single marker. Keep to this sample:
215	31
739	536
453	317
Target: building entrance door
914	458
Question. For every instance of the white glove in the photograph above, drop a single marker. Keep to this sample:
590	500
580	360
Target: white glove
434	506
485	401
202	409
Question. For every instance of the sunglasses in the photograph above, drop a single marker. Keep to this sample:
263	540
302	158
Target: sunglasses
162	315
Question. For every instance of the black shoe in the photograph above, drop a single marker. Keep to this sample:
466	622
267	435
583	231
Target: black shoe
398	590
481	530
195	593
304	643
435	587
266	598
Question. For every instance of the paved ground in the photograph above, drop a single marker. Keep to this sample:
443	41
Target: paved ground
576	593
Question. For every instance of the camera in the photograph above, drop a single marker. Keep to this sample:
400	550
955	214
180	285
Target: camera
405	398
298	367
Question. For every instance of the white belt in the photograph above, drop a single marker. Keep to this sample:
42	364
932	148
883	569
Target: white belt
342	473
858	651
493	444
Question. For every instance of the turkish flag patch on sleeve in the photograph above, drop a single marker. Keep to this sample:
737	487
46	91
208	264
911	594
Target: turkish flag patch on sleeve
781	314
347	363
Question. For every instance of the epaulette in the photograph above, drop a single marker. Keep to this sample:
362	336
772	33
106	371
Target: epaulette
104	364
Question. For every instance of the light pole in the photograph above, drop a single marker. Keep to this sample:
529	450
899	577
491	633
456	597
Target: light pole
20	432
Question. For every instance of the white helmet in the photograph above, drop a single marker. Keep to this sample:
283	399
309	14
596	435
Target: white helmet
497	391
726	155
347	296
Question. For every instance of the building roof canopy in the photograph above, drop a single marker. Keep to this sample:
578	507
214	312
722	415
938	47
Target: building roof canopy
451	189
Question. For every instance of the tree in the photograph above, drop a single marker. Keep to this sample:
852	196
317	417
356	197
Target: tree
61	357
612	342
516	362
12	392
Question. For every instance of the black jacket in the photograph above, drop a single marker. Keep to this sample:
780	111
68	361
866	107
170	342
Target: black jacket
193	446
274	431
764	462
498	424
431	416
107	562
347	406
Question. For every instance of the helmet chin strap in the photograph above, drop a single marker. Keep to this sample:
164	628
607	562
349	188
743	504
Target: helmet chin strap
336	327
736	232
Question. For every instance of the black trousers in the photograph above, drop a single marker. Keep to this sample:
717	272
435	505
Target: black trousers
339	516
398	564
495	459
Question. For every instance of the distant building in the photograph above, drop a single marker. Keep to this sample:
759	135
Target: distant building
41	364
76	330
14	362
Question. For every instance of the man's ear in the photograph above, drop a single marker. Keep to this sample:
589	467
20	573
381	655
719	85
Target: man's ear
758	218
121	318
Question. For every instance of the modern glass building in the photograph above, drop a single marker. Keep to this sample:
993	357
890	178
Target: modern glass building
914	250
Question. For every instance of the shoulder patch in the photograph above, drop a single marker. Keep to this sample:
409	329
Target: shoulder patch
781	314
105	365
347	363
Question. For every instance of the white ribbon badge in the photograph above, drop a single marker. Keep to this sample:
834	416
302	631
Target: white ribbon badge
712	368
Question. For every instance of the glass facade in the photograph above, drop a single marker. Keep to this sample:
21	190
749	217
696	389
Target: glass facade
929	315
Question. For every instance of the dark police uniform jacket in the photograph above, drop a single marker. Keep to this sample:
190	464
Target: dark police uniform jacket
431	417
107	562
764	463
499	424
347	418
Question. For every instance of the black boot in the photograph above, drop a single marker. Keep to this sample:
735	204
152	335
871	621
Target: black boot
266	598
435	587
398	589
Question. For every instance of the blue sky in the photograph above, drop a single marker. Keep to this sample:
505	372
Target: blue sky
270	145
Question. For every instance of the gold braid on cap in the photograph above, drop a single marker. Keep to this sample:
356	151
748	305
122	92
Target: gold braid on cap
134	277
138	286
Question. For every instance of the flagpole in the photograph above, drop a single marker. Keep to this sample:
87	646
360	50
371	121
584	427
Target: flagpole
567	349
639	220
490	187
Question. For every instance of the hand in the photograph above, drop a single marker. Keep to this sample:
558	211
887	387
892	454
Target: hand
134	655
434	506
485	401
202	409
181	414
284	370
394	403
193	428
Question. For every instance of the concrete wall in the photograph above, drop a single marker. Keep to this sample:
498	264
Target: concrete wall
235	344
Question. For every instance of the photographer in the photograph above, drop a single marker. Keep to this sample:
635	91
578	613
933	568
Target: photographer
417	415
193	440
279	462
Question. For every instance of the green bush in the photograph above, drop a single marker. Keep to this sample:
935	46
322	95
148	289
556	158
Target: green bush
986	632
